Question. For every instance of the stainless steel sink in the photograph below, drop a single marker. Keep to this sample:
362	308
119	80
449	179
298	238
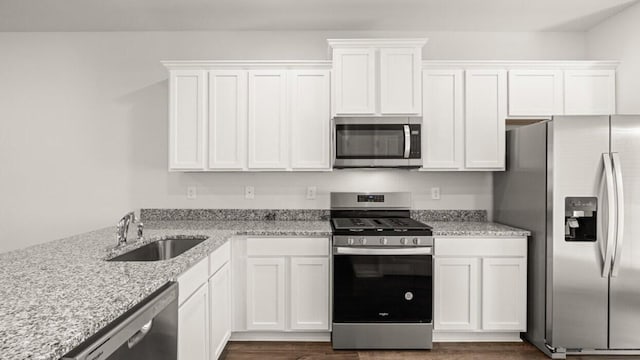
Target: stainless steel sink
164	249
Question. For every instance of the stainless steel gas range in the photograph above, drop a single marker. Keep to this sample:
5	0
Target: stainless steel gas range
382	273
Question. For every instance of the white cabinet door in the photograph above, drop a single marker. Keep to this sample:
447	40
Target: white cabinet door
504	294
400	82
220	309
456	299
187	106
265	294
193	327
310	119
443	119
589	92
268	125
486	111
227	119
354	81
309	298
535	93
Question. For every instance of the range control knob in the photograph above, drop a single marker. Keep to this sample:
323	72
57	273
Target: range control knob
383	241
416	241
363	241
350	241
403	241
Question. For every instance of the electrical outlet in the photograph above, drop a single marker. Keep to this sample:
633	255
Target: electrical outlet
249	192
435	193
192	192
311	192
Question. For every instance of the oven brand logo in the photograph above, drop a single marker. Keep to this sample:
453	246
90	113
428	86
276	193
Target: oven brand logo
408	296
383	314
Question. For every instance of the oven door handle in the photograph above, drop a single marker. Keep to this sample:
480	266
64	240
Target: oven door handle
378	251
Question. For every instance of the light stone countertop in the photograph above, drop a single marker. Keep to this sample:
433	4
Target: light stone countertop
475	228
57	294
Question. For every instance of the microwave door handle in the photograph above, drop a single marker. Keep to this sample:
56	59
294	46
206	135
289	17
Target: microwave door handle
407	141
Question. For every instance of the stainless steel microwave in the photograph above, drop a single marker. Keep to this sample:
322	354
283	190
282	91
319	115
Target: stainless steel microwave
377	142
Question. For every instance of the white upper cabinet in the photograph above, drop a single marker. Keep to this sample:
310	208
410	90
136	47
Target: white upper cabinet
227	119
355	81
254	116
590	92
400	83
443	119
268	125
187	107
310	119
486	112
535	93
377	77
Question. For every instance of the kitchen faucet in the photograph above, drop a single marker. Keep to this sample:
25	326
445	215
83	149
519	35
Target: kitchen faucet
123	228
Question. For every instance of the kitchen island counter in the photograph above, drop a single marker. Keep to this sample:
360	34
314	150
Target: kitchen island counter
57	294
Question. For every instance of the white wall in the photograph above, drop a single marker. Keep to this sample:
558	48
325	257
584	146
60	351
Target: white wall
83	126
618	38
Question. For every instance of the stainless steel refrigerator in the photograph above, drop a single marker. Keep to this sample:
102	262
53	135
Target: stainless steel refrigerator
574	181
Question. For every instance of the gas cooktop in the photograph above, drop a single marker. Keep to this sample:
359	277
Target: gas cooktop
382	223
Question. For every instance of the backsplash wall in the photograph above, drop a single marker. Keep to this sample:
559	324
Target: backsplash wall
469	190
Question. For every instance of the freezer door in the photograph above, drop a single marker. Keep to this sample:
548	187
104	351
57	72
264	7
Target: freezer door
577	308
625	279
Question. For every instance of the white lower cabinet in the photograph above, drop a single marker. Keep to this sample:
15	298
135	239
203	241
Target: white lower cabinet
480	288
309	298
504	294
281	286
193	326
265	293
456	293
220	310
204	307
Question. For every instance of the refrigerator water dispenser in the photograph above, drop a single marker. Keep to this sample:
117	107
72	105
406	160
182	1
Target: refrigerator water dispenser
580	218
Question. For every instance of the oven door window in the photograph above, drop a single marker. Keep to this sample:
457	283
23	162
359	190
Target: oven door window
371	141
382	288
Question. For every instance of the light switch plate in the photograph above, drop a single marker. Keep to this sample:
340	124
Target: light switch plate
249	192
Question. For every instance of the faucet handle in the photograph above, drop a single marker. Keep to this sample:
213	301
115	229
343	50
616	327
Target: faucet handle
140	230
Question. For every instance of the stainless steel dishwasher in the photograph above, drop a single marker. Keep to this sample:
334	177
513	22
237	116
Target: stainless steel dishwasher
148	331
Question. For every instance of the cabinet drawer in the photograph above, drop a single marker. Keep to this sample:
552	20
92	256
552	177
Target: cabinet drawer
474	246
192	279
287	247
219	257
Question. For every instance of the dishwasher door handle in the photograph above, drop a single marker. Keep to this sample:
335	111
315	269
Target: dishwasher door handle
137	337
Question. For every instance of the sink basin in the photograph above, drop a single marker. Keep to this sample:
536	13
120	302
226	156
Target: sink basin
160	250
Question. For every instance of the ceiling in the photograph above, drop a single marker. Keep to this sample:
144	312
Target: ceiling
266	15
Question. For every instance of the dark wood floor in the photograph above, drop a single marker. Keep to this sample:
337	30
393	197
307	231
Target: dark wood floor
441	351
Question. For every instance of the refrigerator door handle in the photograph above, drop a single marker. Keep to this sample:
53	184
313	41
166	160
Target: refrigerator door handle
611	200
617	167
